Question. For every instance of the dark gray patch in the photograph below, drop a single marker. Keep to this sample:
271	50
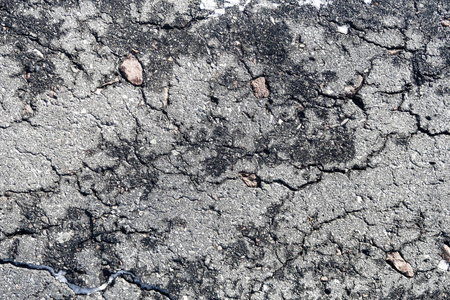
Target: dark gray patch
33	221
150	242
402	140
445	54
39	73
216	166
294	82
194	275
257	36
366	17
140	173
60	256
329	76
20	29
288	140
236	252
36	29
87	236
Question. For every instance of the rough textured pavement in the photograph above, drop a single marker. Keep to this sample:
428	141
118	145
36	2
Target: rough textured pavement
274	149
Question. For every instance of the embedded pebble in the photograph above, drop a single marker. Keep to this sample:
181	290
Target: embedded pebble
343	29
446	253
251	180
132	70
443	265
397	261
260	88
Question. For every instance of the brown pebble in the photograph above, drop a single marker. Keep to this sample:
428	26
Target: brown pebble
27	110
260	88
397	261
251	180
132	70
446	253
445	23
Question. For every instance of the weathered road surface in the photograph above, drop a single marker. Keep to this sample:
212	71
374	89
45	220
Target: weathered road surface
262	149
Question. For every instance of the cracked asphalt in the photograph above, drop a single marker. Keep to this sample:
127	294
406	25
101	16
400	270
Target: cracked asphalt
271	149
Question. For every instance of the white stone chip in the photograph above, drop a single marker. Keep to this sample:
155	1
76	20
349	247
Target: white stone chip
443	265
343	29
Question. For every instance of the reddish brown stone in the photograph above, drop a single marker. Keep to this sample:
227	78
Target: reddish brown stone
260	88
446	253
397	261
132	70
251	180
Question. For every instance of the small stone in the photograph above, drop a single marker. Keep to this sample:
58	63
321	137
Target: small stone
27	110
446	253
132	70
260	88
343	29
38	53
397	261
445	23
394	52
251	180
323	278
443	265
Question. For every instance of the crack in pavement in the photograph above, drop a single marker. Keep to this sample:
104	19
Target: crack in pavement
87	291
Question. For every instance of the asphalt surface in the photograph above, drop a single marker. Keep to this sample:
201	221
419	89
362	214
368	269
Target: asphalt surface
257	149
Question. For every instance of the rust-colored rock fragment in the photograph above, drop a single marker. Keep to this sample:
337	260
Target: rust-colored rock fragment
251	180
132	70
397	261
260	89
446	253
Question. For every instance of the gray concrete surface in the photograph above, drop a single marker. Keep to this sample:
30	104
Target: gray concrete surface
212	186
